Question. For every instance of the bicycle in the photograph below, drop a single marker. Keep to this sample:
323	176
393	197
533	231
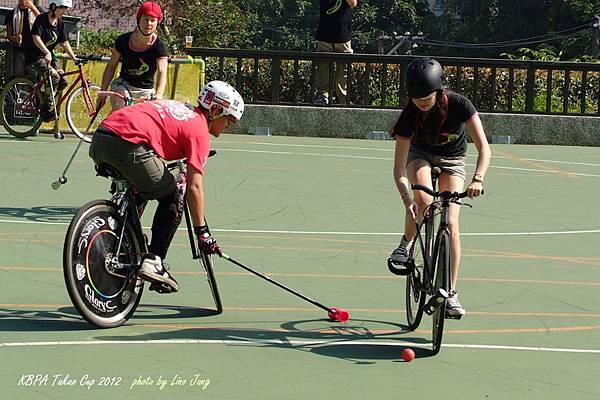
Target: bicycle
21	98
104	248
428	269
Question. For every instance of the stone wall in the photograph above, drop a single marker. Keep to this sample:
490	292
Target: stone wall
356	123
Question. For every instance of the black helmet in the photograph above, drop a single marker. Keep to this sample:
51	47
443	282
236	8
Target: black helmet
423	77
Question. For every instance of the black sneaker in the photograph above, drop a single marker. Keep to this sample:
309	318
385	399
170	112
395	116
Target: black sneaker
153	270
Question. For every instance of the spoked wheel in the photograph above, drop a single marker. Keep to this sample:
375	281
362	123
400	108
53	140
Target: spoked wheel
207	264
102	285
442	276
19	108
81	107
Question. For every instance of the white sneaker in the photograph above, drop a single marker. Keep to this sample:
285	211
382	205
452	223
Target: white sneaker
453	307
153	270
400	255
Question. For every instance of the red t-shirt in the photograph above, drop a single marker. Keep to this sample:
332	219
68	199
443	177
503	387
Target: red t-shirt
169	127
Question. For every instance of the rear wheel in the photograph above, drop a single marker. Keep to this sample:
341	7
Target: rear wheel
442	276
19	108
103	285
81	107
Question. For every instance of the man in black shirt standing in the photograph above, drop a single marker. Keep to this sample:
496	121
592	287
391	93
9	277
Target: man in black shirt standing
18	30
47	32
333	35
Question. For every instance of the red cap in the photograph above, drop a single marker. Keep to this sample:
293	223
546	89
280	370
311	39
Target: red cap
152	9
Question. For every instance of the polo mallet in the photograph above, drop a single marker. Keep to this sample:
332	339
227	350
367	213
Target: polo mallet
63	178
58	134
335	314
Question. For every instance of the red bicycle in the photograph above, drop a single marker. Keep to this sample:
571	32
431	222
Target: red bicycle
20	101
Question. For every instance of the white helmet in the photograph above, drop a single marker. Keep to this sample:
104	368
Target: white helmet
61	3
221	94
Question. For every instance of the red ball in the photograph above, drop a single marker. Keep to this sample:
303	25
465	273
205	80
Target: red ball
408	354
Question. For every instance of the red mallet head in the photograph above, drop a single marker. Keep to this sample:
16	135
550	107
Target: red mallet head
408	354
338	314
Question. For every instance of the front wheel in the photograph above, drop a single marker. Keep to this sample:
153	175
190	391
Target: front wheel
207	264
101	279
442	277
19	108
81	107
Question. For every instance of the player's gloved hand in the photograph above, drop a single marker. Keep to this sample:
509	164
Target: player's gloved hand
206	242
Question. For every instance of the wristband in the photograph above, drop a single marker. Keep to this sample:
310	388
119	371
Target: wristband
478	178
201	230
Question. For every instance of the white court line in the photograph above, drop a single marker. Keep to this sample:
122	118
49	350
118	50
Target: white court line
392	150
340	233
390	159
288	343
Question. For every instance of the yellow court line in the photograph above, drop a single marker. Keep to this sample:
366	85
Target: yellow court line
312	309
534	164
335	276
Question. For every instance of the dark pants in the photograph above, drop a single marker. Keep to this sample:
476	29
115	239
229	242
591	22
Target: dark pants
152	181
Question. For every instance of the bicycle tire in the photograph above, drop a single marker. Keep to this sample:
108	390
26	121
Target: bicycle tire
103	299
415	281
442	276
80	111
18	122
207	264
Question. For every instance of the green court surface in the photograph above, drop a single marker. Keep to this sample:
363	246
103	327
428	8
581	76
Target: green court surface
322	216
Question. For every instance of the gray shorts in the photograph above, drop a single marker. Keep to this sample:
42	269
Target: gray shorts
120	85
450	165
138	163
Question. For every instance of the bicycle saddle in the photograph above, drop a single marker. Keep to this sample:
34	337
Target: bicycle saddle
108	171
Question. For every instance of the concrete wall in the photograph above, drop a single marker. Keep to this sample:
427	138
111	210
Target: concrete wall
355	123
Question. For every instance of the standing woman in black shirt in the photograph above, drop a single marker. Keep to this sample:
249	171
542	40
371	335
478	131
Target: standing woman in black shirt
19	22
431	132
141	54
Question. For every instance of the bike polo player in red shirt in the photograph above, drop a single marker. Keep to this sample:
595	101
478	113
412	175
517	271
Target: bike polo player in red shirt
136	139
431	131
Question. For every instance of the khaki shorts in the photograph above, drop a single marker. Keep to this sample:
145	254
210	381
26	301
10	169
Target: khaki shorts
138	163
121	86
450	165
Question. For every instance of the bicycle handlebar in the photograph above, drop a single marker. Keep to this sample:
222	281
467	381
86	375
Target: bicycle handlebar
90	57
445	195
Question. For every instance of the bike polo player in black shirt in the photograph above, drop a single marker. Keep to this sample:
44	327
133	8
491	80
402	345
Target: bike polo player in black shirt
47	32
142	54
431	132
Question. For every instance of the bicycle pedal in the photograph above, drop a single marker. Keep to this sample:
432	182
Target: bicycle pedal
59	135
435	301
160	288
400	269
449	316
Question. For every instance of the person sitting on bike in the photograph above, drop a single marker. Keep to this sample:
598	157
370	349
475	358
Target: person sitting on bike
430	132
142	54
47	32
133	138
19	22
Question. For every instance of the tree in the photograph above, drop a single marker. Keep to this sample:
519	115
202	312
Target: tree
212	23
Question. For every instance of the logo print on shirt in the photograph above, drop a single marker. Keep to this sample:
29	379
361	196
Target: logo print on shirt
53	39
141	70
335	8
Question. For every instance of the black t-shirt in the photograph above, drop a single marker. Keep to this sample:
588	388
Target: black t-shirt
138	67
51	36
26	41
450	139
335	21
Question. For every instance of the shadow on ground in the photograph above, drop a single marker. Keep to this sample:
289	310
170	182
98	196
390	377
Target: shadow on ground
40	214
